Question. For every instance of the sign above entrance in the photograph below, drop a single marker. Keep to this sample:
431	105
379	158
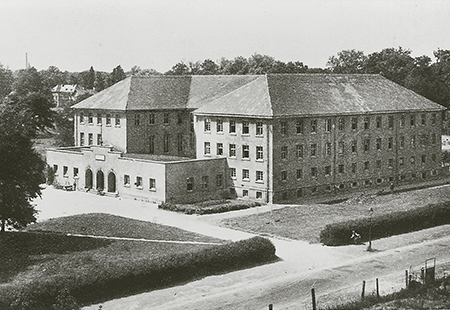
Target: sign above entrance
100	157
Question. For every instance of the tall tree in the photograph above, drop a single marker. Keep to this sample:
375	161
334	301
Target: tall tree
117	75
209	67
21	168
179	69
28	81
348	61
6	82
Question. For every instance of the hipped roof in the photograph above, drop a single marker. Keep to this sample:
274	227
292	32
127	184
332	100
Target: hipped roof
273	95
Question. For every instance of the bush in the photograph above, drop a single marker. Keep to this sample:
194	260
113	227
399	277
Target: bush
209	207
386	225
120	279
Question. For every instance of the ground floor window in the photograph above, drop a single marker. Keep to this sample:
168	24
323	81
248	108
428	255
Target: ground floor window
138	182
126	180
152	184
258	195
190	184
245	193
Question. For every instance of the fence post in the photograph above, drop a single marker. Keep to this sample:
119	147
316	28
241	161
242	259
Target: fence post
363	289
406	278
313	296
378	289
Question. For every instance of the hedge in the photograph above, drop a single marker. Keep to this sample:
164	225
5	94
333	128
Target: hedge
114	281
209	207
386	225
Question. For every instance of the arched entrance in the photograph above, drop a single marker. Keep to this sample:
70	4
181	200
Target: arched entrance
111	182
88	179
100	181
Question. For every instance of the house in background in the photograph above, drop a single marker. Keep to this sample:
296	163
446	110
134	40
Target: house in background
66	94
275	138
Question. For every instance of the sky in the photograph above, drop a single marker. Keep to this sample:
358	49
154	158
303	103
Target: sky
75	35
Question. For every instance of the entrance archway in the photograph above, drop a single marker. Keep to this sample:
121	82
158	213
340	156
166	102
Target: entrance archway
88	179
100	180
111	182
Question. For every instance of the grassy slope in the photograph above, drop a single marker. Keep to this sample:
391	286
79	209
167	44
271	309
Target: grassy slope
304	222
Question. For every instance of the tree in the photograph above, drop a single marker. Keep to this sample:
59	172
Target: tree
52	77
28	81
117	75
21	168
6	82
348	61
209	67
179	69
260	64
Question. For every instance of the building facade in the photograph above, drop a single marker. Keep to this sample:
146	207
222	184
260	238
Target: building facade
283	138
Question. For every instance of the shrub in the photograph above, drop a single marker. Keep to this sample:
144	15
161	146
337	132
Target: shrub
386	225
209	207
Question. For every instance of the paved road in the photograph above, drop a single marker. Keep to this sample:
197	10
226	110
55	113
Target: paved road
335	272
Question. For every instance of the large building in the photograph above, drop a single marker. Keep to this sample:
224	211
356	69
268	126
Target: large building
275	138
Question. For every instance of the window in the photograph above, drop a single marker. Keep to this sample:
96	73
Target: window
151	118
232	128
433	119
327	170
219	148
245	174
313	149
232	151
75	171
341	168
166	118
402	120
245	128
205	182
99	119
354	184
99	139
283	175
90	139
152	184
219	180
151	146
390	143
81	138
180	142
180	118
207	148
313	126
259	153
379	181
284	195
412	160
81	118
259	129
190	184
366	123
402	142
341	147
390	162
412	120
423	119
391	121
126	180
299	126
299	174
367	182
366	145
378	143
233	173
258	195
413	141
299	148
166	143
65	170
283	128
299	193
354	167
137	119
284	152
328	125
378	164
138	182
90	119
245	193
424	159
354	146
341	123
401	161
259	176
313	171
207	125
327	148
117	120
245	152
366	166
379	122
108	119
433	138
219	125
354	123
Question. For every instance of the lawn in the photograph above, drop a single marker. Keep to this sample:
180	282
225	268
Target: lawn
304	222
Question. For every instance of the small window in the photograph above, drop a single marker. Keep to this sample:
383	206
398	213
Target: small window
259	153
219	149
207	125
205	181
259	129
99	119
284	152
219	125
232	150
299	126
245	152
190	184
259	176
354	123
233	173
138	182
219	180
258	195
117	120
152	184
166	118
65	170
327	125
232	128
299	174
108	119
245	193
283	127
207	148
313	126
313	149
245	128
245	174
126	180
151	118
283	175
299	148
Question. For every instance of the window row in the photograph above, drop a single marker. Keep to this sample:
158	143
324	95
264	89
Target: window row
233	126
65	171
139	182
301	126
90	139
356	167
245	175
366	146
204	182
232	151
99	117
167	143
